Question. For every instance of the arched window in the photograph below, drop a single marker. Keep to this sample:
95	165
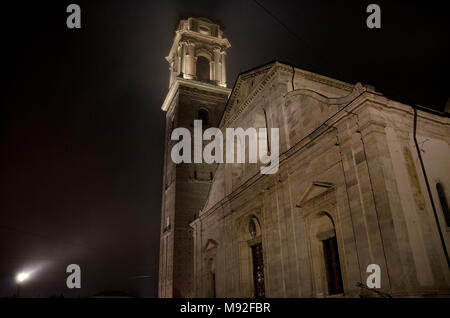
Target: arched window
444	203
332	262
254	231
251	260
203	116
326	262
202	69
332	265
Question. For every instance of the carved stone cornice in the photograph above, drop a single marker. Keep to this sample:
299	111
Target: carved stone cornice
196	38
316	77
198	87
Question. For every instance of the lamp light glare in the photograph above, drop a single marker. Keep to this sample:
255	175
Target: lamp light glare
22	277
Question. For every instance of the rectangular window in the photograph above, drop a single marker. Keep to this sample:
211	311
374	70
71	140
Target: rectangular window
332	266
258	270
444	203
213	278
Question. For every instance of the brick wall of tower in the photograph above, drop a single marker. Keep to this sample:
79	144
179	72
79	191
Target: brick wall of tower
186	187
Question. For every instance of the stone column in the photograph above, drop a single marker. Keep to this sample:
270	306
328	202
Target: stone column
190	60
182	57
179	59
217	65
172	69
212	70
223	79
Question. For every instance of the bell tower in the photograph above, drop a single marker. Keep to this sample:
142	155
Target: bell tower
197	90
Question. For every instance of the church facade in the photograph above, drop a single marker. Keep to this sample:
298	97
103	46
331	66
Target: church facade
362	180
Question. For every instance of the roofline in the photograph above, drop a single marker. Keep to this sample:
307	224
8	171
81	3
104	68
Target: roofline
419	107
235	82
431	110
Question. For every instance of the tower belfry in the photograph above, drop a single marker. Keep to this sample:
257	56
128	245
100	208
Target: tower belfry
198	52
197	90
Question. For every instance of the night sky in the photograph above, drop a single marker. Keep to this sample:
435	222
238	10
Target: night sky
83	133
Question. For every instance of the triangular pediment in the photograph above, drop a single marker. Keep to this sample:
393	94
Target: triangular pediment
211	244
247	86
317	188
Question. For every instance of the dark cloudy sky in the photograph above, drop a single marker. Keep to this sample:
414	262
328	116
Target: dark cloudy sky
82	128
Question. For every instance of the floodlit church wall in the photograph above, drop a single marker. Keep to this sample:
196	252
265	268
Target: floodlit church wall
427	269
409	238
370	201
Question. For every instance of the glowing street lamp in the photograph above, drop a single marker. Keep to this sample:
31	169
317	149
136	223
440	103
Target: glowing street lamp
21	277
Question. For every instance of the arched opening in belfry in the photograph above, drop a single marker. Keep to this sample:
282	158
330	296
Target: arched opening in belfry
202	69
203	116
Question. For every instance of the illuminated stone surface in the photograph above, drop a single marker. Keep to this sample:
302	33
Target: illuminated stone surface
349	169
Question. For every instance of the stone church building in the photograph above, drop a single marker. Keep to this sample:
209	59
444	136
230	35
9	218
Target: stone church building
362	180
